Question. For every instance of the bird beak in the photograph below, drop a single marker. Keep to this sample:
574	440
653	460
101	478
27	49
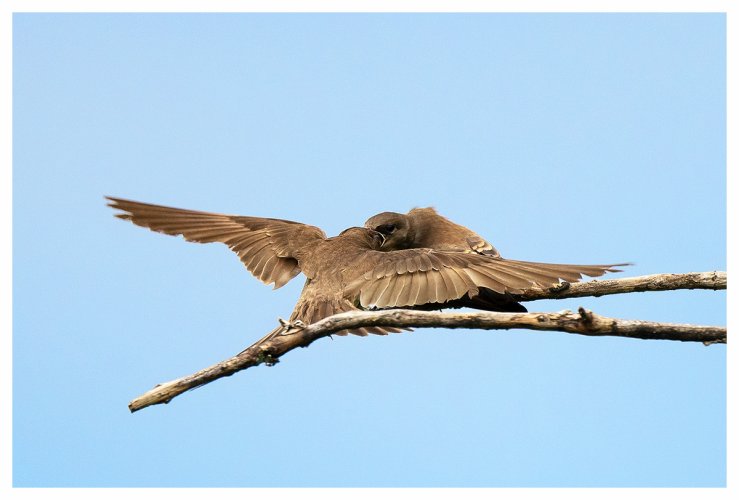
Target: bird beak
382	237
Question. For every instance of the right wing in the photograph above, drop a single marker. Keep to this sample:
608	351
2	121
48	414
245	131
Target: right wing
404	278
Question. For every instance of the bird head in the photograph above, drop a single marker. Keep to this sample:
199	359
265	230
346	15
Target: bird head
396	228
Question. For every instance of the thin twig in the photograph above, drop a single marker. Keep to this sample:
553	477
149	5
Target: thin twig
714	280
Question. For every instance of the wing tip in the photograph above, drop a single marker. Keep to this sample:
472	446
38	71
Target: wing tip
611	268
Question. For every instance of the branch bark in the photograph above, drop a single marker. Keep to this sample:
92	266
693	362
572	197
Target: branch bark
715	280
583	322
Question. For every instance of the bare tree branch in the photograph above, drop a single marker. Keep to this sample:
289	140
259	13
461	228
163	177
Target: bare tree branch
583	323
715	280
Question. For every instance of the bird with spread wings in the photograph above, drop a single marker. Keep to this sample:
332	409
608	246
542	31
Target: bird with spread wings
364	267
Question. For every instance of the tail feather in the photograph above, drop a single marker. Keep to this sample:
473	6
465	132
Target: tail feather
270	335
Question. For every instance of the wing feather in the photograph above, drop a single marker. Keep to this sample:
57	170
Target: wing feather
380	299
401	267
421	289
426	264
434	287
421	276
269	248
407	290
485	280
393	294
267	268
508	280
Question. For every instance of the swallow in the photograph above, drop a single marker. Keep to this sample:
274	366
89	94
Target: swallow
350	271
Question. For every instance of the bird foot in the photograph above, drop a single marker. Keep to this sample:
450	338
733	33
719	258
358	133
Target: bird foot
290	325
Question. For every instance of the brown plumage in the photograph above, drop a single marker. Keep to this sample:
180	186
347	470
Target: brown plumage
425	228
349	271
273	250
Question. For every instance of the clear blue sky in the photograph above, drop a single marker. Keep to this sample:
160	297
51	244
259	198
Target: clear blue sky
560	138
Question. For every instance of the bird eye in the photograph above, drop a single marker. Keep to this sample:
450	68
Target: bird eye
386	228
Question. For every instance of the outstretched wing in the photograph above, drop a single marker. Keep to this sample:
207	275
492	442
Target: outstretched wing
269	248
422	276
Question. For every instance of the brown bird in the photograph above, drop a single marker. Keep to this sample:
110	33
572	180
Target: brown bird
425	228
349	271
